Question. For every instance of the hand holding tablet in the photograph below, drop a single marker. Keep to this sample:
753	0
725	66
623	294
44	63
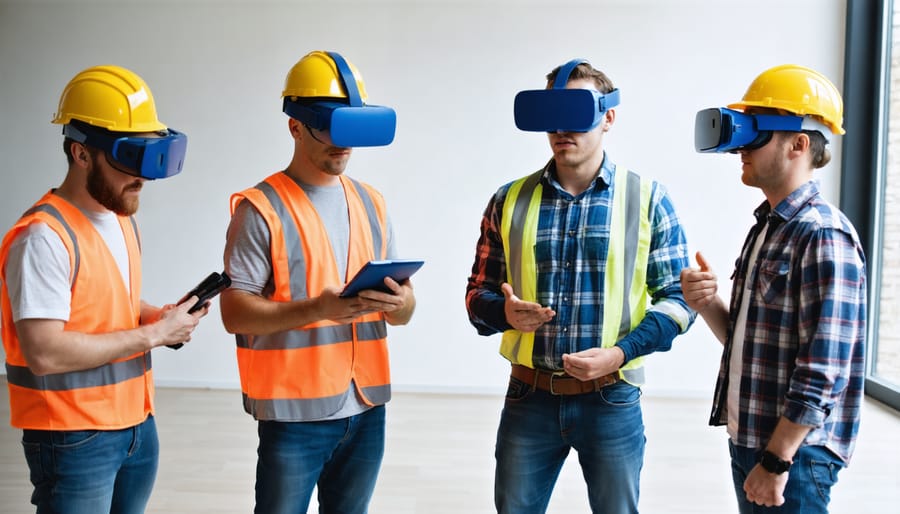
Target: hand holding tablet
371	276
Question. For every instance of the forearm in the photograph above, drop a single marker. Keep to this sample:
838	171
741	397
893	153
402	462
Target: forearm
247	313
486	311
715	315
149	313
48	349
787	438
655	333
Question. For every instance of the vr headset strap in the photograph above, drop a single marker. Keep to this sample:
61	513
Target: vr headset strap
347	79
562	77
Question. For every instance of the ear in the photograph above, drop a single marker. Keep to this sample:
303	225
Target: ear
609	117
799	143
80	154
296	128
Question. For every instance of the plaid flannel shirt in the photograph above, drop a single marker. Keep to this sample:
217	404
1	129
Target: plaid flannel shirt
571	247
804	344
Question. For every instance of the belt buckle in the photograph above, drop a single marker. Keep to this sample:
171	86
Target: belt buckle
553	376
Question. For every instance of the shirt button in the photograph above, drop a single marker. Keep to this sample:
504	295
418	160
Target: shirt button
565	329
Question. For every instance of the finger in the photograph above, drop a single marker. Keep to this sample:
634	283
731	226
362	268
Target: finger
704	265
186	306
508	291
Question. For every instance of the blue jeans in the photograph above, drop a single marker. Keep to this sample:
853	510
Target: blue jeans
809	484
342	457
538	429
92	471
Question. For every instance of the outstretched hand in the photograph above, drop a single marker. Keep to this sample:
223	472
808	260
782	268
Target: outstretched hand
524	316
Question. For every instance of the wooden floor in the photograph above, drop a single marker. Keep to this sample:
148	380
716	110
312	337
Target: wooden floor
439	458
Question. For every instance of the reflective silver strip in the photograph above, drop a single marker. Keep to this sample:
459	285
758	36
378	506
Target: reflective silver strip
292	242
517	228
108	374
309	409
632	227
137	235
633	376
372	214
53	211
318	336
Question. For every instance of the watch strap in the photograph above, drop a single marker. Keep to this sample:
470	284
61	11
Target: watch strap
773	463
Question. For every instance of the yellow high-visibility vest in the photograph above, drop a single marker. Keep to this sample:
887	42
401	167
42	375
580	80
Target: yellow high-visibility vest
625	294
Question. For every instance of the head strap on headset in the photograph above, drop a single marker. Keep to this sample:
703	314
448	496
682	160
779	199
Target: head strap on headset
561	109
562	76
349	124
347	79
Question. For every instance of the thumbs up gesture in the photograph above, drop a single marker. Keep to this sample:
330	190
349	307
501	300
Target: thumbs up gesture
699	285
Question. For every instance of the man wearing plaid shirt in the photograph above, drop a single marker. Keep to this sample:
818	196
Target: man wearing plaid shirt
791	379
578	266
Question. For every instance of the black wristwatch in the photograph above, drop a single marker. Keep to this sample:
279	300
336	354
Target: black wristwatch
772	463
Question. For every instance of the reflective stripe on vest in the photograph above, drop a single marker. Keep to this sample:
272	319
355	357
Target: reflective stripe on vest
303	374
112	396
625	296
107	374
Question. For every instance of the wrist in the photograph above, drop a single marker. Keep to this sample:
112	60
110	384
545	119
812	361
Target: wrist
773	463
623	357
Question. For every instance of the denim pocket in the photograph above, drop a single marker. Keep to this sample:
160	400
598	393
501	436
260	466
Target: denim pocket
33	457
517	390
74	438
621	394
824	476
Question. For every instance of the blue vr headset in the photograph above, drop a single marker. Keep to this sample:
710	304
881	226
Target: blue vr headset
725	130
561	109
348	124
146	157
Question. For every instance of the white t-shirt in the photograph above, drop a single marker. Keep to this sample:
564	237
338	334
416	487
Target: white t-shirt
736	359
37	268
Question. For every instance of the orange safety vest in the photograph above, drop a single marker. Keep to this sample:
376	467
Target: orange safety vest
303	374
115	395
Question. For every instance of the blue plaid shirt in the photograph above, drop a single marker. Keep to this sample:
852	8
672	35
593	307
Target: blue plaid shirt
571	247
804	342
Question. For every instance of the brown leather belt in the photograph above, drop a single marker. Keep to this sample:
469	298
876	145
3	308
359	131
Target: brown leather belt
561	384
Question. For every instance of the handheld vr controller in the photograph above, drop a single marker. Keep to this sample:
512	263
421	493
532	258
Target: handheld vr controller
206	290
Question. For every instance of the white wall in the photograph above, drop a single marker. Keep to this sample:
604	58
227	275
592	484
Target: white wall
450	69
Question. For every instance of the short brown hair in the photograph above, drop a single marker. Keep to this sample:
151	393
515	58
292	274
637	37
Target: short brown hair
817	147
585	71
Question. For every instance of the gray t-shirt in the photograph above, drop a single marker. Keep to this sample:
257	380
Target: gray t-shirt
248	257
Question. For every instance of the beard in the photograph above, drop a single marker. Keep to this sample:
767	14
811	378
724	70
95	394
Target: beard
101	190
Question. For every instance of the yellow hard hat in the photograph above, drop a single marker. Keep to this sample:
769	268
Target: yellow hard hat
798	90
317	76
109	97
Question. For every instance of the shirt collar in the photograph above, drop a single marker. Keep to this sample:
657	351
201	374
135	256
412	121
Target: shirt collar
607	170
790	206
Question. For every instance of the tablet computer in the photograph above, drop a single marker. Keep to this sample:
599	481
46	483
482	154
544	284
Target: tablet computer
371	276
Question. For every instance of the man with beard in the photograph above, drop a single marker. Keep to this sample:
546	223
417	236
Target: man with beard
76	333
313	363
